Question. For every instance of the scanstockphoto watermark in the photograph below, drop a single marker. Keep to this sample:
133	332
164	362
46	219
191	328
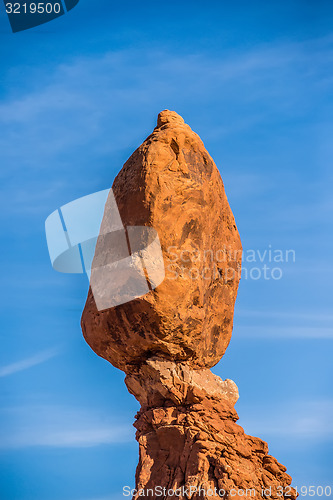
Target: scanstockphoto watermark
224	263
269	492
124	263
185	492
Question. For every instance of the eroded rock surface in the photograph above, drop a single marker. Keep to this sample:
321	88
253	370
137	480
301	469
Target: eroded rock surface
167	340
189	440
172	184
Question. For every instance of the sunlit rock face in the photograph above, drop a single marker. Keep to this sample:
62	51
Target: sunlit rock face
167	339
171	184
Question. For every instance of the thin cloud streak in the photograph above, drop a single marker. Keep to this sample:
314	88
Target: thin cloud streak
286	315
60	427
299	332
82	438
311	420
69	96
27	363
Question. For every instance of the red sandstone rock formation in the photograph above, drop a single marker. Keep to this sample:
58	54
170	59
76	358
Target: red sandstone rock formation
167	340
189	440
172	184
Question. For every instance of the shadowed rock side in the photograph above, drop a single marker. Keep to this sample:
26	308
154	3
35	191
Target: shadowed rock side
167	340
172	184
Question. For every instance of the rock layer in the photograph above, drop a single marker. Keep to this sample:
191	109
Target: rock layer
167	340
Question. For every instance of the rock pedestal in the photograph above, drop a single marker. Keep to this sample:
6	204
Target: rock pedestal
189	440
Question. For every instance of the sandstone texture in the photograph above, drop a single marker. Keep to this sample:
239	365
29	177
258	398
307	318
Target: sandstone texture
172	184
167	340
190	443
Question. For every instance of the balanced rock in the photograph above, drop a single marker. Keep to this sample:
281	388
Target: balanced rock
171	183
190	446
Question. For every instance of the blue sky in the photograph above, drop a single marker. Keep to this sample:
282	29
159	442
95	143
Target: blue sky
77	96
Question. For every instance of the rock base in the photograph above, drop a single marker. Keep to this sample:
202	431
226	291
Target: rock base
189	441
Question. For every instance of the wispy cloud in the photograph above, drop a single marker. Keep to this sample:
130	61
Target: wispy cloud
298	316
73	438
66	107
78	105
286	332
60	427
311	420
25	364
283	324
